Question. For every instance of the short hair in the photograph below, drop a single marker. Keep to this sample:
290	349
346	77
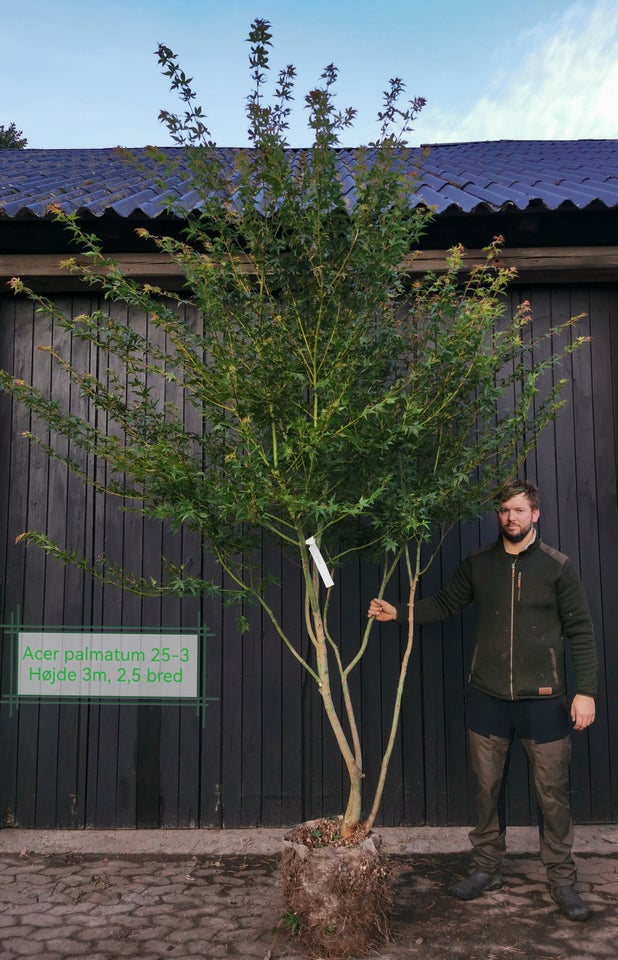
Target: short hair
512	488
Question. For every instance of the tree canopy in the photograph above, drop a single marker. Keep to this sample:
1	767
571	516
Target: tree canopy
11	138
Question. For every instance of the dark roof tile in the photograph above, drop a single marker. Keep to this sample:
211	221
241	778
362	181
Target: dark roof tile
464	177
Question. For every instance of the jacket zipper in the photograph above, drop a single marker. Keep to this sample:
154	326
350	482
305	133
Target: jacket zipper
512	628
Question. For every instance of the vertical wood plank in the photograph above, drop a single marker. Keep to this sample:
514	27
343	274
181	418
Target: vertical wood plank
255	663
273	658
294	685
35	719
12	507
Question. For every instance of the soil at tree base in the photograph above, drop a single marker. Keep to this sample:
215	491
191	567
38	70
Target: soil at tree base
336	888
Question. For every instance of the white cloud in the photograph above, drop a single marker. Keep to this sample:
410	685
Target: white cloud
557	81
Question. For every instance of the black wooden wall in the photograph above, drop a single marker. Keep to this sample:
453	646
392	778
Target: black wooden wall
260	754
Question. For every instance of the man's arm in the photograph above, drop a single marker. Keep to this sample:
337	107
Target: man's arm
579	631
440	606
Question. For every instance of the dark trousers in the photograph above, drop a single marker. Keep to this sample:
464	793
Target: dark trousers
543	729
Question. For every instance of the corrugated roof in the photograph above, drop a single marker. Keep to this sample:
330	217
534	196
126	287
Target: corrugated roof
490	176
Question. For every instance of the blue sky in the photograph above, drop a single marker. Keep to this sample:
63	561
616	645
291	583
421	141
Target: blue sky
84	74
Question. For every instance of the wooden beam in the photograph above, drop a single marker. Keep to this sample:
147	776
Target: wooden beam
530	261
533	264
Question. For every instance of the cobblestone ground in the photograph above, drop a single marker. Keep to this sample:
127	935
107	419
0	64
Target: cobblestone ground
104	908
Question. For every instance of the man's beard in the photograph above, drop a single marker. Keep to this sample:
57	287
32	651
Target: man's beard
517	537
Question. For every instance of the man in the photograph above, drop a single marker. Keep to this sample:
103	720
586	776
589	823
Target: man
528	600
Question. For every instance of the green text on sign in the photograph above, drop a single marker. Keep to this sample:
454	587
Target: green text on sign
107	665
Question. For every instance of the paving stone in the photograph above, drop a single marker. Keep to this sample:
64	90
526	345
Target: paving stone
219	922
50	932
63	908
161	949
6	920
174	898
66	947
23	947
184	936
145	956
17	895
146	934
154	910
16	930
104	956
116	947
212	951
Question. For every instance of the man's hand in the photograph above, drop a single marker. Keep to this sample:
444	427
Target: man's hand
382	610
582	711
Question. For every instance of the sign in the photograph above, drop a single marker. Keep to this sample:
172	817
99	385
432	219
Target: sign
118	665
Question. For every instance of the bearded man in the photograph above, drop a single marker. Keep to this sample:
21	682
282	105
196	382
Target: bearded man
529	601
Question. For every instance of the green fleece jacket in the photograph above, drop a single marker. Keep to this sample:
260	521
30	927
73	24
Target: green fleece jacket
526	606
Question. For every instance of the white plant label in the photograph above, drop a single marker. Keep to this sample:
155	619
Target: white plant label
318	559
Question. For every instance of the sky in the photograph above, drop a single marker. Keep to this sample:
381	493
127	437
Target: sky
84	74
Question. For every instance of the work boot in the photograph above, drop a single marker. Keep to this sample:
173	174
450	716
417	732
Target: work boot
476	884
570	903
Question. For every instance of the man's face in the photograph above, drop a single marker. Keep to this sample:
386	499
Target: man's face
516	517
